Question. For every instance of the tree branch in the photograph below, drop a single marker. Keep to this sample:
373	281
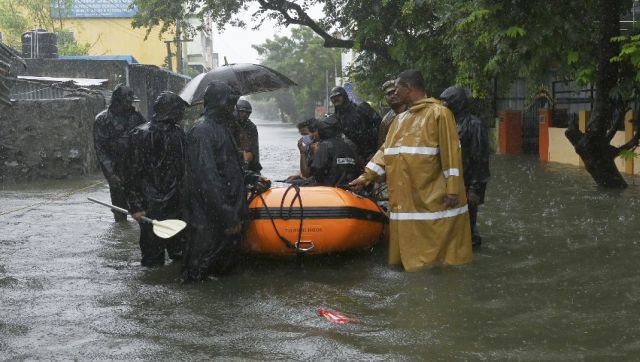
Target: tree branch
285	7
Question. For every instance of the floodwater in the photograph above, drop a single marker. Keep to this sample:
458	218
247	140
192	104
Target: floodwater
557	279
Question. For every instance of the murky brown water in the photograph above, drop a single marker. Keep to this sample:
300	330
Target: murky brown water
557	279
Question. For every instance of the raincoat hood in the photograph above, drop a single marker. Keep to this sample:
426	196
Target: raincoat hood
339	91
121	100
328	127
219	99
168	107
243	106
457	101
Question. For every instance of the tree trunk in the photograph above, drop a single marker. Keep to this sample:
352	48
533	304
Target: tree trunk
593	146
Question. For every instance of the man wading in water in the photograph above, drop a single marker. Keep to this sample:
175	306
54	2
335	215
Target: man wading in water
156	182
421	158
111	141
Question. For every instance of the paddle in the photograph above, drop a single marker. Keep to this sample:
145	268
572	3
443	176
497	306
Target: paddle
164	229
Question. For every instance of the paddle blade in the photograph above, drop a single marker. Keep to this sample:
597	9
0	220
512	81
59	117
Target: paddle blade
168	228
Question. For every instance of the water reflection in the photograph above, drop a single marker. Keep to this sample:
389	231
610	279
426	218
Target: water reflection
556	279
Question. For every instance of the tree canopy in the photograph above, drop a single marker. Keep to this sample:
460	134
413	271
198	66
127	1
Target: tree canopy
472	43
303	58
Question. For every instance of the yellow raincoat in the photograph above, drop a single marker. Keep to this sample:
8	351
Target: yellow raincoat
421	159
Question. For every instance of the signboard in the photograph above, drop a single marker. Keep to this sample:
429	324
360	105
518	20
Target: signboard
93	9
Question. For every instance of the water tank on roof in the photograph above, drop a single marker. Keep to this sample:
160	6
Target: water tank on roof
39	43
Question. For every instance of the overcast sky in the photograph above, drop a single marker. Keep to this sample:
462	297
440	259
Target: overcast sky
236	43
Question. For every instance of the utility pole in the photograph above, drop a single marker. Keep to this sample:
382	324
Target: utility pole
326	88
178	40
169	57
179	63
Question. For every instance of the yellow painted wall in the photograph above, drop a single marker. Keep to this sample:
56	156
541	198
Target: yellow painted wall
562	151
117	37
618	140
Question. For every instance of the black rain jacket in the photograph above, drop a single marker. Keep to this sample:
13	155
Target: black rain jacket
217	190
334	163
111	138
249	142
474	141
360	124
158	160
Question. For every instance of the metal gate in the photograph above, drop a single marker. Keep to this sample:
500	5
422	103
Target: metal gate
530	123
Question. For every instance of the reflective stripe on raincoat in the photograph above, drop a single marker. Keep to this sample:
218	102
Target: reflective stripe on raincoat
422	162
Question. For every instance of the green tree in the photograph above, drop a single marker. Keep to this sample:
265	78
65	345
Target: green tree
18	16
302	58
506	39
388	36
473	42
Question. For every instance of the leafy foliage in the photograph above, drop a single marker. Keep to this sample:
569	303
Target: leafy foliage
628	155
302	58
18	16
468	42
507	39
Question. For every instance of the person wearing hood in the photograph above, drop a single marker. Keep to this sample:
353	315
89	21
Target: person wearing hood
334	162
111	142
217	193
474	141
422	162
248	136
156	181
397	107
358	122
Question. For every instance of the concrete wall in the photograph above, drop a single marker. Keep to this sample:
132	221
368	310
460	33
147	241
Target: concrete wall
147	81
562	151
48	138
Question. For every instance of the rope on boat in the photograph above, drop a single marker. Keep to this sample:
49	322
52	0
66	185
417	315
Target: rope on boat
289	244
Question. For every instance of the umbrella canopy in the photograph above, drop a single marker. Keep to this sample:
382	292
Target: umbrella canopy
247	78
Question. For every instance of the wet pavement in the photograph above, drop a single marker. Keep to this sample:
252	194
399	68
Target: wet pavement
557	279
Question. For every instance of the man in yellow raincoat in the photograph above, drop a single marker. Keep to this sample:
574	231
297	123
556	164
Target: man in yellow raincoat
421	159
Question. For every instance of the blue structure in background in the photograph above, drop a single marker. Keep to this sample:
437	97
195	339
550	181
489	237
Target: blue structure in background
349	88
95	9
128	58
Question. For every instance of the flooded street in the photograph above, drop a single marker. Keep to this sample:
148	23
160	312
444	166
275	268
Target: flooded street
557	279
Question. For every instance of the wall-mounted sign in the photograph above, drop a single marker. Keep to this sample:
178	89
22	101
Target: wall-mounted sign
92	9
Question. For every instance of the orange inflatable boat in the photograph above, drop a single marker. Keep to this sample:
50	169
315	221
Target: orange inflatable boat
311	220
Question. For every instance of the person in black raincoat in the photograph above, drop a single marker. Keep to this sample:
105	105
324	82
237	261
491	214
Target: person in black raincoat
217	193
359	122
156	182
248	136
111	142
474	142
334	162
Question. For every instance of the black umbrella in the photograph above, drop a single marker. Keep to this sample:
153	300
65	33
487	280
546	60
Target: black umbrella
246	78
